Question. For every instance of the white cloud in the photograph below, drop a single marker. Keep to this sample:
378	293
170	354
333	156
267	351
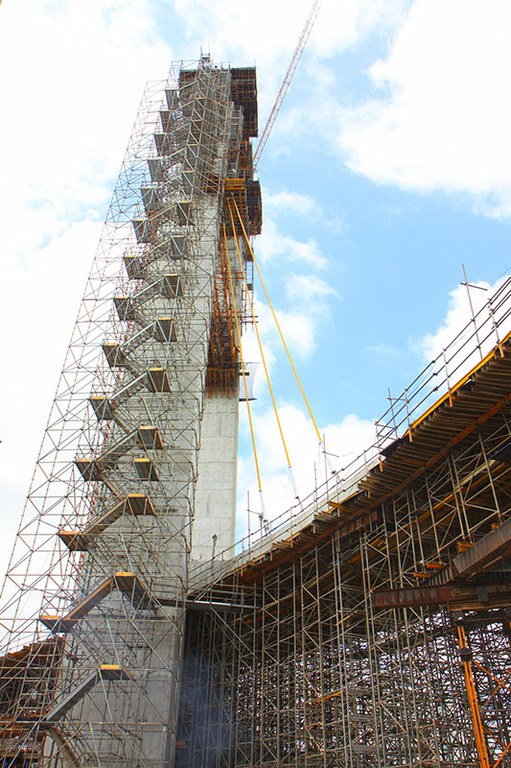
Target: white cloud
270	31
272	244
383	351
290	201
465	336
461	304
309	289
443	120
298	330
344	441
76	73
342	25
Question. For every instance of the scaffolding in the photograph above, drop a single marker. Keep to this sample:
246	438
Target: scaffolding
367	627
96	587
371	626
378	632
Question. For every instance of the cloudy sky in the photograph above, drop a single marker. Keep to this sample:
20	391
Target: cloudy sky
388	169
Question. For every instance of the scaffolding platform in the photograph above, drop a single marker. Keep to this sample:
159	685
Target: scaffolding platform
172	286
149	198
179	247
134	503
158	380
108	672
125	308
123	581
149	437
145	469
74	540
142	230
156	169
164	144
102	407
187	182
166	120
134	267
184	212
88	469
166	329
114	354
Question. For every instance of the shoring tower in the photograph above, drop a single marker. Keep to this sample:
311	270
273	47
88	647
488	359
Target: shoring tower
137	472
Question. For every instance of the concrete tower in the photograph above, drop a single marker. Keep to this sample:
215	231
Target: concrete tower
137	474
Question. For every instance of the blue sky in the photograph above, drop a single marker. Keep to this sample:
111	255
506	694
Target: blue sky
388	168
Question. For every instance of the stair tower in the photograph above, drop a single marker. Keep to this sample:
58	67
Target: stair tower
137	472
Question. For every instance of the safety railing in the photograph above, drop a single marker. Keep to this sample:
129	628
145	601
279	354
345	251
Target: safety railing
485	330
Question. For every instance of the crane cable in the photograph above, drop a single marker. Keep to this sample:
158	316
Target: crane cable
274	314
287	80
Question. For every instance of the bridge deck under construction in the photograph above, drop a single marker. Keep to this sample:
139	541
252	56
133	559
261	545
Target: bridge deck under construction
379	633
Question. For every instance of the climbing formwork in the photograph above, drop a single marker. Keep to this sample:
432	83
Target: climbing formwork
96	587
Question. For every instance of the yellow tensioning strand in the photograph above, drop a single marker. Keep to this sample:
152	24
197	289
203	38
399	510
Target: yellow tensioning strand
295	372
260	344
244	377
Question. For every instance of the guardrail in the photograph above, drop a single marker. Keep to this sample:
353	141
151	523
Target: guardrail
485	330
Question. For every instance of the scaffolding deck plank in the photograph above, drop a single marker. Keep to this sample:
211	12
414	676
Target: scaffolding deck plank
88	468
172	286
145	469
109	672
134	503
114	354
150	437
124	581
158	380
166	329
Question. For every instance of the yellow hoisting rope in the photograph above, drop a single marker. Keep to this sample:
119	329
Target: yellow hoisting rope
240	350
263	358
247	241
259	342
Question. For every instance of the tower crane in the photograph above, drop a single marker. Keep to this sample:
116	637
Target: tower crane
287	80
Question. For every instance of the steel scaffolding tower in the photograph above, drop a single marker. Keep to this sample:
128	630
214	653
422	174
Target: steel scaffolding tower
137	471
